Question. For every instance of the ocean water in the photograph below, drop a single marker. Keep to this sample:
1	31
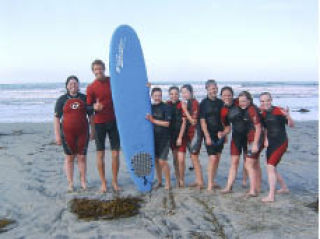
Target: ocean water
35	102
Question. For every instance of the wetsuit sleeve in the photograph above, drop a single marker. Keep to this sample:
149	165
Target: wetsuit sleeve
277	111
254	115
224	116
202	110
195	109
58	109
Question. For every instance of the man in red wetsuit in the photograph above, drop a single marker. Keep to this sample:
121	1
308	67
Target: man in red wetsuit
103	122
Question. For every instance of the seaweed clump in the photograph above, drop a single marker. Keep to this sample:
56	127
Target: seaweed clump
93	209
4	223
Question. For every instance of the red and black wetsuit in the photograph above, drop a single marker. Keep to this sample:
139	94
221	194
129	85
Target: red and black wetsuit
193	132
243	127
275	122
175	125
210	111
72	112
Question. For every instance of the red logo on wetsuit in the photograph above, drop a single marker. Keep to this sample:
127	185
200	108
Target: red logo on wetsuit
75	105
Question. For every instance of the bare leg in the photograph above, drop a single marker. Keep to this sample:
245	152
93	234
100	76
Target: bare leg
212	165
244	173
82	165
158	171
115	169
166	170
250	162
182	166
69	166
101	170
216	165
198	170
232	173
258	176
176	165
283	186
272	178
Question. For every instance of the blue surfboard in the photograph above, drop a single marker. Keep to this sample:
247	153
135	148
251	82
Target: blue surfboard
132	103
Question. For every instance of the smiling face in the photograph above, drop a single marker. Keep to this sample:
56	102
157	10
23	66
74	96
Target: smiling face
174	95
244	102
227	97
73	87
157	97
212	91
186	94
265	102
98	71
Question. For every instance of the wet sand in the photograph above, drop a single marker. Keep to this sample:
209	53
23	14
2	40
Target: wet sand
33	192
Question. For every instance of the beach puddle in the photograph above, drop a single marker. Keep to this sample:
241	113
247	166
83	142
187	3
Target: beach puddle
6	224
93	209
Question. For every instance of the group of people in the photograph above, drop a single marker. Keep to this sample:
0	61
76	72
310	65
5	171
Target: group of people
178	125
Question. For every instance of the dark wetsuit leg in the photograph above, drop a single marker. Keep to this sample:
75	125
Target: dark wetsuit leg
215	148
114	137
275	152
100	136
162	146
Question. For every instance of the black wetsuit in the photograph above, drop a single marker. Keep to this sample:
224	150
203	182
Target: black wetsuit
210	110
275	123
161	134
176	122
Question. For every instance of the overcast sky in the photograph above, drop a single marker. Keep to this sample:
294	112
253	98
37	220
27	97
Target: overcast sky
229	40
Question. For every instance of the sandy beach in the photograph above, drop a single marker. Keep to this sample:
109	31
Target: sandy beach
33	192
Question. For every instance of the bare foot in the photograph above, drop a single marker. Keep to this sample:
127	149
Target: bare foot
181	184
83	186
70	188
210	188
248	195
226	190
167	187
267	199
244	184
103	188
283	191
116	187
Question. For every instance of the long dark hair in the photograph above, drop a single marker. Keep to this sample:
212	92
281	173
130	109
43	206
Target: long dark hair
189	88
247	95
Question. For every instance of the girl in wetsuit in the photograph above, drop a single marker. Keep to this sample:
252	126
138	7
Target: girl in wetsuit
160	118
250	140
193	135
231	114
276	141
72	129
177	128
